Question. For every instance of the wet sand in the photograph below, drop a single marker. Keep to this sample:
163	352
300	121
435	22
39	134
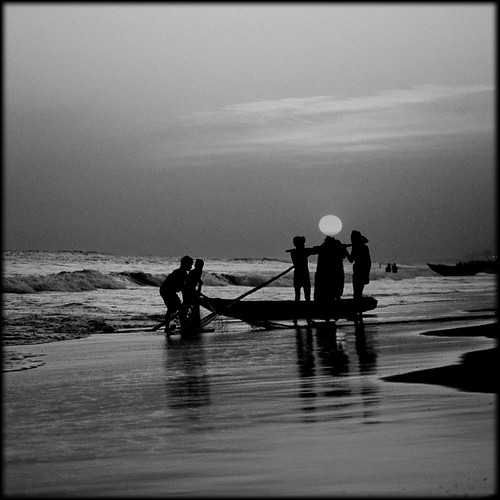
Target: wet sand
476	372
256	413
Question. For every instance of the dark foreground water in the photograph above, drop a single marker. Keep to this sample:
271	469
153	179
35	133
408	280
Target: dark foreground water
244	412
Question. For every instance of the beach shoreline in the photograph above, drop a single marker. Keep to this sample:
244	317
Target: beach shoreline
250	411
475	371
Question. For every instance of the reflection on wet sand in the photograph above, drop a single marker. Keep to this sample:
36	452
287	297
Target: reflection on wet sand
366	352
333	380
187	381
267	413
324	368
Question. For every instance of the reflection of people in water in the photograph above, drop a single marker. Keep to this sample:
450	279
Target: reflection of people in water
191	294
334	359
329	278
174	283
307	372
367	355
187	382
360	257
301	277
327	368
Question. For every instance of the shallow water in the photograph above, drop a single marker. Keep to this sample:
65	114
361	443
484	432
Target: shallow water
59	295
238	411
281	412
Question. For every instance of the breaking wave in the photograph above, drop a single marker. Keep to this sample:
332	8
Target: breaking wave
87	280
76	281
90	279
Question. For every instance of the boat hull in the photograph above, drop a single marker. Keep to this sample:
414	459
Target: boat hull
287	309
457	270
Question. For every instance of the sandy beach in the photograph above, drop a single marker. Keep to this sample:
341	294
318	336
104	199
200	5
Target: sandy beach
384	411
327	163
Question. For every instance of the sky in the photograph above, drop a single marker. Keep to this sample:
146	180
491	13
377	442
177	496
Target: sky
224	130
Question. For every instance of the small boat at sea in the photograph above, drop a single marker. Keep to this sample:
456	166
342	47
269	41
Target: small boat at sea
489	266
465	268
269	310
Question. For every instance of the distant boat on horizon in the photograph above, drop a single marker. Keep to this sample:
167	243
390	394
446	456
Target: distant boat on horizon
469	268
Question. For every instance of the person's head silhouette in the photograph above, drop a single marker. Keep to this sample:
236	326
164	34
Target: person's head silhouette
357	238
186	262
299	241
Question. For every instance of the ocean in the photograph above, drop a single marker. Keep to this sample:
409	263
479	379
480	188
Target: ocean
96	404
51	296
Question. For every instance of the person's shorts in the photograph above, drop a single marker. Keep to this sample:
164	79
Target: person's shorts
172	301
302	282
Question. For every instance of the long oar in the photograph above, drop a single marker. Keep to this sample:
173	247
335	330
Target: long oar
210	317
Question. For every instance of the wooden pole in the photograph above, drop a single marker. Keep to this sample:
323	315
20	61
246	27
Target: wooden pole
210	317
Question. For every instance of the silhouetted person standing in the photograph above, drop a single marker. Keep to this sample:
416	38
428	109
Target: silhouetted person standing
301	276
174	283
394	268
329	278
362	263
191	294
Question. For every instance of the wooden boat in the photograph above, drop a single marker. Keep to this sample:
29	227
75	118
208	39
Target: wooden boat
268	310
460	269
489	266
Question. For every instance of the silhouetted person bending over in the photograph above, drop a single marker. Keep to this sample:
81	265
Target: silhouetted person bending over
191	295
174	283
362	263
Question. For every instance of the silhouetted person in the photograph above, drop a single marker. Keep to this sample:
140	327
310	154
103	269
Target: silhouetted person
388	268
394	268
329	278
362	263
191	294
301	276
174	283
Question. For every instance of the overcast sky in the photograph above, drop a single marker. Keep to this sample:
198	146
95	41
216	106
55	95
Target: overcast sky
224	130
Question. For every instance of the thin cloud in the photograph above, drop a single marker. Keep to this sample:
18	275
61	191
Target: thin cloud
382	121
328	105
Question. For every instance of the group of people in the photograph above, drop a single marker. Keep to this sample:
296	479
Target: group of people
188	282
329	278
328	281
391	269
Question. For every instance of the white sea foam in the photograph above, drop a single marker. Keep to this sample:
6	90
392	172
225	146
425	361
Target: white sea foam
47	292
30	272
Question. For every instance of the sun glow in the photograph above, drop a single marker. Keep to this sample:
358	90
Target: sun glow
330	225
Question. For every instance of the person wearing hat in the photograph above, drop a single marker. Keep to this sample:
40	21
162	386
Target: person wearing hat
362	263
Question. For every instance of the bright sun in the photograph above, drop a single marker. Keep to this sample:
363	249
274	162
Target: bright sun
330	225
